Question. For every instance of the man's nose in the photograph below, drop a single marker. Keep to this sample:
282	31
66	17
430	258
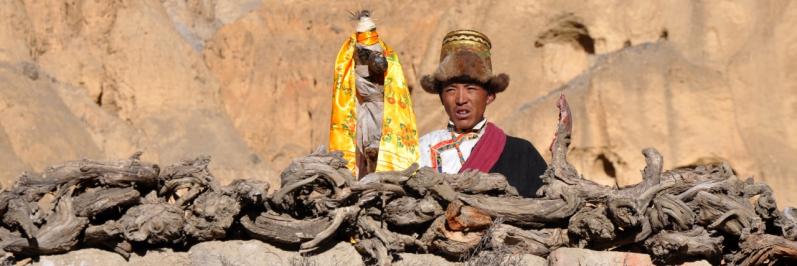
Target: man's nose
462	97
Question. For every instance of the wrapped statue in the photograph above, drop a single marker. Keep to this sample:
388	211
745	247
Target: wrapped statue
372	119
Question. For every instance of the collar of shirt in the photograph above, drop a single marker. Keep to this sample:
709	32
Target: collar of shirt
476	129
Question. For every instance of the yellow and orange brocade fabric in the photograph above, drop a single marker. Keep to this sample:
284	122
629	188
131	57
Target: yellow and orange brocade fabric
398	147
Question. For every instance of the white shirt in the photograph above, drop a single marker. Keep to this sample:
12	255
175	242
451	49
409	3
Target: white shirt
441	149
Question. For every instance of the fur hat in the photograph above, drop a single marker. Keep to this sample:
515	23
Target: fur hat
465	57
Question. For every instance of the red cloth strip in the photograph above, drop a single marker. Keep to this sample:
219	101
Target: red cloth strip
487	151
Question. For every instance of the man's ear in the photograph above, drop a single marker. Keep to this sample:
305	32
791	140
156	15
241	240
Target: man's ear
490	98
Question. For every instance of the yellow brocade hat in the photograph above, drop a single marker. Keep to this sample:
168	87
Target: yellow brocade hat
367	38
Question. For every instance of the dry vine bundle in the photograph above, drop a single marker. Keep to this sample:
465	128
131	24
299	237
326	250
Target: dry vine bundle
702	212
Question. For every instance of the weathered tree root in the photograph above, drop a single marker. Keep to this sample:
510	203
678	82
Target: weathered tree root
763	249
284	230
537	242
341	214
683	214
681	246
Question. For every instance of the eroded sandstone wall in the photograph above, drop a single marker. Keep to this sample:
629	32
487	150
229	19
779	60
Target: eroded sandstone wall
248	82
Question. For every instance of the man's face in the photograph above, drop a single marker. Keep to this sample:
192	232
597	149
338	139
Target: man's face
465	104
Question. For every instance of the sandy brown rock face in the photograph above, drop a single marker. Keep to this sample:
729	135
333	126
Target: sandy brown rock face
117	77
248	81
650	94
706	79
37	126
703	90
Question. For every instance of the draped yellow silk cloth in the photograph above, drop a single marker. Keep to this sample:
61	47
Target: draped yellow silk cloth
398	147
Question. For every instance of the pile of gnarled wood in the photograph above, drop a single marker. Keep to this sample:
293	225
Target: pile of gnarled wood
703	212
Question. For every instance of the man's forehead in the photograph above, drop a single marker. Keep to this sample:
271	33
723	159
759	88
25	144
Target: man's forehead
461	84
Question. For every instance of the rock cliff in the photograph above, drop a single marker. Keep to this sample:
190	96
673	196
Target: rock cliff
248	82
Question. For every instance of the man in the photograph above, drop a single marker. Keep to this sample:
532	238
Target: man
372	119
466	86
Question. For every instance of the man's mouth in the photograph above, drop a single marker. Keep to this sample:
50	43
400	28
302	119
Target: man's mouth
462	113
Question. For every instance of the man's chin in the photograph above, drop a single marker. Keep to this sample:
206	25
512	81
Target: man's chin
462	125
